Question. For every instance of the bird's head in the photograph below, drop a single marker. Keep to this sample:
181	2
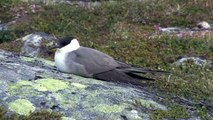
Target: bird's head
67	44
72	41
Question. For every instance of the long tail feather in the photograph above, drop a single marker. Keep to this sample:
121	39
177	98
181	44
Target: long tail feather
143	70
129	68
135	76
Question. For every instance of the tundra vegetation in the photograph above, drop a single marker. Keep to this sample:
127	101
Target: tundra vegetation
125	30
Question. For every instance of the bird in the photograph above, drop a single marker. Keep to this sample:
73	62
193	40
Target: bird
72	58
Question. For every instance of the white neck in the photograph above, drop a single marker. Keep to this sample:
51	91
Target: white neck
74	45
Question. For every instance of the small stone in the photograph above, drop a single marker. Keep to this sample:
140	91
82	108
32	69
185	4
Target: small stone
135	114
203	25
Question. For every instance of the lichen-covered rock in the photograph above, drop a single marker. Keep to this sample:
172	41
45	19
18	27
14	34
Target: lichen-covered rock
21	106
37	44
31	84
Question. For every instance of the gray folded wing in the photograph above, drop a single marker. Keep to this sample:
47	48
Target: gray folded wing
93	61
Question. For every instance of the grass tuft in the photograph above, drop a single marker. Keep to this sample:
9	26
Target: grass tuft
40	115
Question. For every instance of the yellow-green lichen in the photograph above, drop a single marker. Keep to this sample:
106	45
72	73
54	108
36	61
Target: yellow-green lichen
109	108
78	85
66	101
67	118
23	82
40	87
50	85
91	99
47	62
18	85
150	104
21	106
27	59
22	87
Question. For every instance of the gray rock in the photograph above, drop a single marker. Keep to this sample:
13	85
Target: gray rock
196	60
180	32
203	25
171	30
35	84
37	44
3	27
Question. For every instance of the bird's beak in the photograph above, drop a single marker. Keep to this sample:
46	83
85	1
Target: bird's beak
55	46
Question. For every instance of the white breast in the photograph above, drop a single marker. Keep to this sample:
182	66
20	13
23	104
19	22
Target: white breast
61	54
60	60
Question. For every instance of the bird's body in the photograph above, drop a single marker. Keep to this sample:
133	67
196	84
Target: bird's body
88	62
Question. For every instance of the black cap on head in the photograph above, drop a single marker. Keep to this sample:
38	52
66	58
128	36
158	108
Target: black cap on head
64	41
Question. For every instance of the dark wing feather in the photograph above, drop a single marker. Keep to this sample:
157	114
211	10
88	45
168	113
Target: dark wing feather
118	77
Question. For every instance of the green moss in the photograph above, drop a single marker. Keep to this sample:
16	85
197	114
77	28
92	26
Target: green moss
45	115
7	35
21	106
175	112
2	113
41	115
78	85
203	113
13	46
109	108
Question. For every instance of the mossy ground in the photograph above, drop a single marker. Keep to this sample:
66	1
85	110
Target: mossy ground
41	115
123	31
